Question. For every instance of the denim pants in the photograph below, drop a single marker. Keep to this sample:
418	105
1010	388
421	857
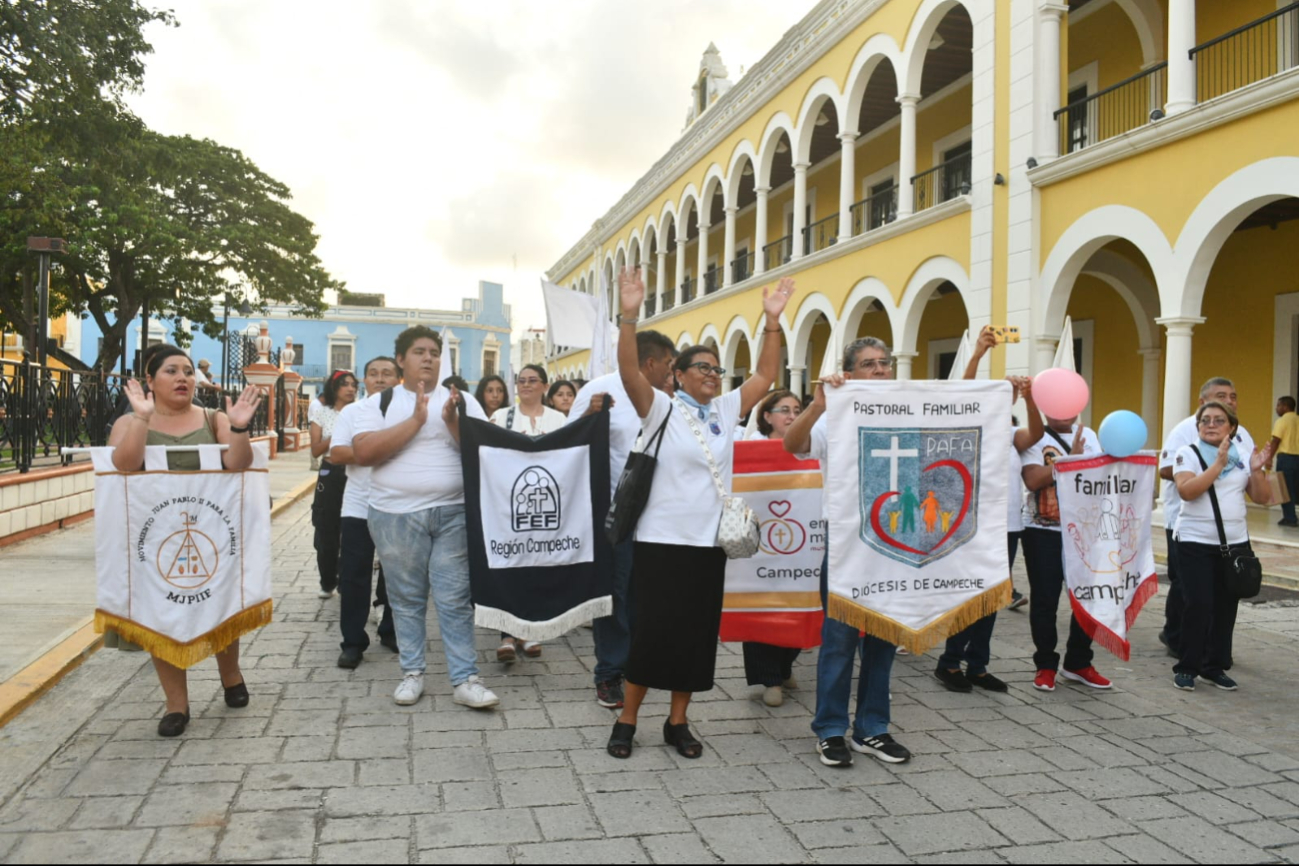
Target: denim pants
422	551
1288	466
1044	559
840	645
613	632
972	646
1208	612
1173	603
355	579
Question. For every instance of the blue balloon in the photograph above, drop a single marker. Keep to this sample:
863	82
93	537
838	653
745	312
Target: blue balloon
1123	433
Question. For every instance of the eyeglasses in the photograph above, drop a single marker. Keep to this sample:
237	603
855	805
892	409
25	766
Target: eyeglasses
873	364
1213	421
786	410
533	381
705	368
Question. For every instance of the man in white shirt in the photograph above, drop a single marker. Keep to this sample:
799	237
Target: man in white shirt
1185	433
613	632
1044	558
417	514
356	563
807	438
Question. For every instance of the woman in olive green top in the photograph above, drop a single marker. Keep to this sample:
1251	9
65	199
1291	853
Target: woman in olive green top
167	416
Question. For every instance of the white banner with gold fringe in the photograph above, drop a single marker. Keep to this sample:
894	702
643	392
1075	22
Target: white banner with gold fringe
183	558
916	501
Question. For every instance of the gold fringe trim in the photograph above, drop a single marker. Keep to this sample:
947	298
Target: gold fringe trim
920	641
186	655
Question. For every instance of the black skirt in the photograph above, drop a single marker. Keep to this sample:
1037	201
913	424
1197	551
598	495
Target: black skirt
676	611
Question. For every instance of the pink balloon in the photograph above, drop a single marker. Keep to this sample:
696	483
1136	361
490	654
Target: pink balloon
1060	393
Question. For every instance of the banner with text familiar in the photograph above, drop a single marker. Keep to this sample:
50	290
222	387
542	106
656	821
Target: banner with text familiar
774	597
539	563
916	486
1105	509
183	559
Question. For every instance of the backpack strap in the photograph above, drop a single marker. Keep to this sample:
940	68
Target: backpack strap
385	400
1217	510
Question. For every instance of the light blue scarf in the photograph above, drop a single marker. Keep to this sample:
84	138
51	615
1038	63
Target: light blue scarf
701	408
1210	454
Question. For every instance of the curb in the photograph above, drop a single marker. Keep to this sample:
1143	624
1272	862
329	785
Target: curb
25	687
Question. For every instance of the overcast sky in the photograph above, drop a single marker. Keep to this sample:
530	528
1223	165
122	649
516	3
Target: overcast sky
435	144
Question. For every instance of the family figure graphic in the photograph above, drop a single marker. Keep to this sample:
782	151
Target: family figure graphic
931	512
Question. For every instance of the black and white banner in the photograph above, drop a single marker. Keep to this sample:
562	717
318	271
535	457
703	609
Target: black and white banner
539	562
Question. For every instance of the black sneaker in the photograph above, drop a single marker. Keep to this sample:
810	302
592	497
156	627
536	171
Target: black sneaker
389	641
987	681
1185	682
1017	599
954	680
834	752
884	747
1222	681
608	694
350	658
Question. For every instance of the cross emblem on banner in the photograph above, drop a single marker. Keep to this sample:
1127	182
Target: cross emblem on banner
894	454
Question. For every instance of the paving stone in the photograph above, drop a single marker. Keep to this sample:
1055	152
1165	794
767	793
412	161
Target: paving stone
1203	842
604	851
384	771
304	774
1260	801
459	719
490	855
560	823
374	851
1065	852
447	740
469	796
37	815
1108	782
528	760
953	791
1027	783
637	813
842	833
1211	807
749	839
368	829
501	827
719	805
931	834
380	800
1143	808
383	742
863	854
277	800
539	788
677	848
255	750
82	846
1266	834
793	806
268	836
442	765
982	765
155	748
182	845
735	780
899	799
302	749
1227	769
1017	825
108	778
1072	816
972	857
106	812
190	805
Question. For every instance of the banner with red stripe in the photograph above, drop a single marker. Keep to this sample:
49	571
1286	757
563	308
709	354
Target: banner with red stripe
774	597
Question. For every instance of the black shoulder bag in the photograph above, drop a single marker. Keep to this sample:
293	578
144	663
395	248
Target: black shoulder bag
633	489
1244	571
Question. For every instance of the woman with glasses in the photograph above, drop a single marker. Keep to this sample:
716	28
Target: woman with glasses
678	570
767	665
531	417
1212	467
331	483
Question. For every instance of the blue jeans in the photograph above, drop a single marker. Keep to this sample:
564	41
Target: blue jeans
613	633
422	551
840	645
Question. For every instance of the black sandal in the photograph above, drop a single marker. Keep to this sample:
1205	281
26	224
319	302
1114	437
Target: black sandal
620	741
680	736
237	696
173	724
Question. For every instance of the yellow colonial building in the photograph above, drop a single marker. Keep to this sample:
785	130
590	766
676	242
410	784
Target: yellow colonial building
924	167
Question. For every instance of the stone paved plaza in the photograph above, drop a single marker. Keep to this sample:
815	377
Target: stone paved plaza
323	767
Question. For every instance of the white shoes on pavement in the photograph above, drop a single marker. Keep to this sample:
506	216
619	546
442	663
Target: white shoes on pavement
410	690
474	694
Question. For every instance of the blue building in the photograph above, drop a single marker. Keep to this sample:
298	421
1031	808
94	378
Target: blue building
476	338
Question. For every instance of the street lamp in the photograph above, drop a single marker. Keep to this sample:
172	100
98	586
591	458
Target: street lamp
44	248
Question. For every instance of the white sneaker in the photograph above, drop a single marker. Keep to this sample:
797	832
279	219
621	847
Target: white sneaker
773	696
325	593
474	694
410	690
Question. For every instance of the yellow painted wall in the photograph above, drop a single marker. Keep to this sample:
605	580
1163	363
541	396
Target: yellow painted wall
1216	17
1167	183
876	155
1116	366
1108	39
938	121
876	325
944	319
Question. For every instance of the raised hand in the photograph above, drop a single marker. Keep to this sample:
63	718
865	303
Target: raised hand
1025	386
834	380
1078	441
449	415
774	302
598	403
631	291
1224	452
987	340
1261	458
420	413
141	403
241	411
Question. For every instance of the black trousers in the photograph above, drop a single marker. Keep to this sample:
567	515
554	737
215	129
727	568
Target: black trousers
354	586
768	665
1208	610
1044	559
1174	603
326	516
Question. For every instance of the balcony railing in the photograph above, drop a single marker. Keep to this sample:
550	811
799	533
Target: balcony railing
688	290
43	409
1258	50
742	267
712	281
821	234
874	211
778	252
669	299
650	301
941	183
1113	111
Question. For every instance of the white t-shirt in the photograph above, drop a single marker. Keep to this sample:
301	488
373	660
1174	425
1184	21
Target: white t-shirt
200	378
313	409
1186	434
624	423
327	417
684	506
818	449
550	421
1015	492
427	472
356	497
1042	508
1196	522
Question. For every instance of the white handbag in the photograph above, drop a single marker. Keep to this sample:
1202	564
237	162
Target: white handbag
737	534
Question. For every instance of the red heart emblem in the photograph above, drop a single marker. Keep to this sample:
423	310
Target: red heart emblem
780	507
968	484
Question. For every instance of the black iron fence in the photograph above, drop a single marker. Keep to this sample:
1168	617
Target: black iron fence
669	299
44	409
650	304
778	252
821	234
688	290
1258	50
874	211
742	267
941	183
1113	111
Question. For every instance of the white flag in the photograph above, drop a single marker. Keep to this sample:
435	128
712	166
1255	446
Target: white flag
570	316
603	359
1064	358
962	359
